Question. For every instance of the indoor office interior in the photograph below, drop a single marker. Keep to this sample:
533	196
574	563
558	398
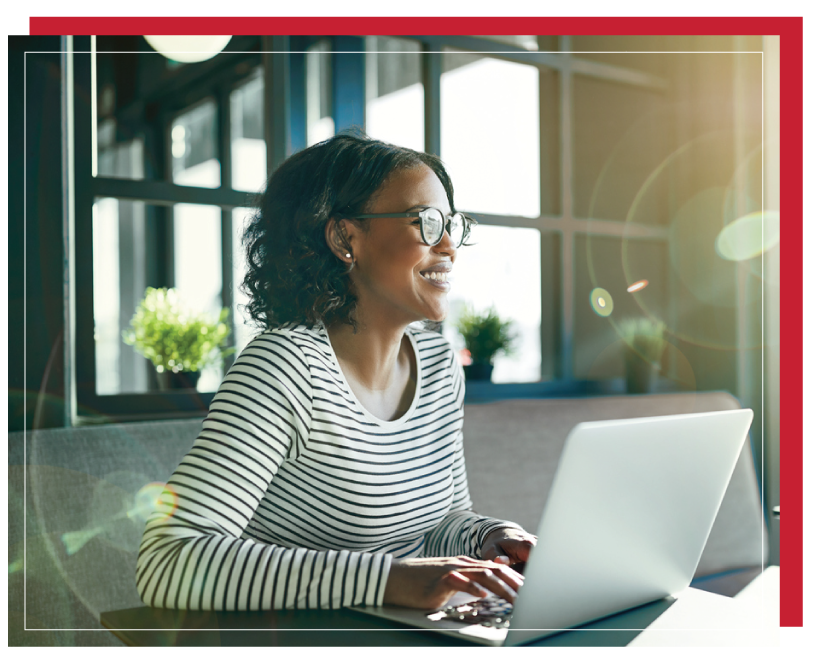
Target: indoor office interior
625	191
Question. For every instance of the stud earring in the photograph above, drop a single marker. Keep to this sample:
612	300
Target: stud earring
347	255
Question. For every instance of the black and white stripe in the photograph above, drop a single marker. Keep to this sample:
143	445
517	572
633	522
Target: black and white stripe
295	496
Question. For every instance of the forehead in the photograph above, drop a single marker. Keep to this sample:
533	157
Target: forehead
412	187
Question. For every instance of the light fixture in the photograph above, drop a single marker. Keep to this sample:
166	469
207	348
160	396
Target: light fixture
190	48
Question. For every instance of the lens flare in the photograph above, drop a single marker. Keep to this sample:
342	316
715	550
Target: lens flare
601	302
155	496
74	541
639	285
749	236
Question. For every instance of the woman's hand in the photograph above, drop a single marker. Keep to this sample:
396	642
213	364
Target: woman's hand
508	545
428	583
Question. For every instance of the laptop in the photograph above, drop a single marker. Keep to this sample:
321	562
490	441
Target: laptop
627	517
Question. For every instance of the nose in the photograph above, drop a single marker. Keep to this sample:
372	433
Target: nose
446	245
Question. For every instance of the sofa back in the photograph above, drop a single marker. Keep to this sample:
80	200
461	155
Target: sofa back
83	529
82	532
513	446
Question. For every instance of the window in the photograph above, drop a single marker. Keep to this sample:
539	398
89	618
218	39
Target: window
584	170
169	148
394	91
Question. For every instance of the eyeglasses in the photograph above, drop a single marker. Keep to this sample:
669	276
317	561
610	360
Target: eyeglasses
432	224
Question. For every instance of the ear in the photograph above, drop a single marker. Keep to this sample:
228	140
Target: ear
338	234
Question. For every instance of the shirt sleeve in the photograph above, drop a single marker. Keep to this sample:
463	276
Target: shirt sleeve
194	553
461	531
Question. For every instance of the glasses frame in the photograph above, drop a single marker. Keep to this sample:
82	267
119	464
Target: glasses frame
468	222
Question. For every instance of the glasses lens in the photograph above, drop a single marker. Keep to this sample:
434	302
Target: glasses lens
432	226
457	229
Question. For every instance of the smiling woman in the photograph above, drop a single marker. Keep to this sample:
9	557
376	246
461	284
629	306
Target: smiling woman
295	274
330	468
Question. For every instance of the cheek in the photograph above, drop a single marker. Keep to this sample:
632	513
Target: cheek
406	259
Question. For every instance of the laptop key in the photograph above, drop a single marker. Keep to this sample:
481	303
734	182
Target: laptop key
490	612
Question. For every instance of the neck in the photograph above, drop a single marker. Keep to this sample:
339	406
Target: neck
376	355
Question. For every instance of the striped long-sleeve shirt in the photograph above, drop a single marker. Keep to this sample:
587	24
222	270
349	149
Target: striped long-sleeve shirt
294	495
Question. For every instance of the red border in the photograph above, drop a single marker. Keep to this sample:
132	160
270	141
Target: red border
792	320
409	25
790	30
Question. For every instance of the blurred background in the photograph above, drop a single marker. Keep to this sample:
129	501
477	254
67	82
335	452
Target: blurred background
615	179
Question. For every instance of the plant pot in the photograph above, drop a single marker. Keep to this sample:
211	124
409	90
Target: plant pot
640	374
168	380
478	371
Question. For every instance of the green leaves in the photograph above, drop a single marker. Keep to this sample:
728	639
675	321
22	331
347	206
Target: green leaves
485	334
172	336
644	336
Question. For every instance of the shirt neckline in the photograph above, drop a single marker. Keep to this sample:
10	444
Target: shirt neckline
376	420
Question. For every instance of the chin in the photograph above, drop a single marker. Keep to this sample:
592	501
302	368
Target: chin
438	316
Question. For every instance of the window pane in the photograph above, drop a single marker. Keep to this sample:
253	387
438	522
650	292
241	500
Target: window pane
243	333
622	134
248	146
198	269
612	49
490	137
502	270
194	147
118	286
319	64
395	95
118	157
119	138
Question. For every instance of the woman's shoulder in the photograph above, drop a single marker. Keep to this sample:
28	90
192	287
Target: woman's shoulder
293	339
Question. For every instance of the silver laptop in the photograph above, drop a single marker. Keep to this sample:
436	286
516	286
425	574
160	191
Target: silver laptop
628	514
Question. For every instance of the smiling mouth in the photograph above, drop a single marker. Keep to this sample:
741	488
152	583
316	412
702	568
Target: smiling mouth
435	276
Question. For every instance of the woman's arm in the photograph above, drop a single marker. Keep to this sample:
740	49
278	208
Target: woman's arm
462	531
193	554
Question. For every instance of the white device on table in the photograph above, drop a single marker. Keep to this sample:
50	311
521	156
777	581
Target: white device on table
630	508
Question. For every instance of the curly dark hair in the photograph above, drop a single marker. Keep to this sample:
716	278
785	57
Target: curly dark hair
293	276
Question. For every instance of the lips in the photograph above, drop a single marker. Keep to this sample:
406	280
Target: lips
441	267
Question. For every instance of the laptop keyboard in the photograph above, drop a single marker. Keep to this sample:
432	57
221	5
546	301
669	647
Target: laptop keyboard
491	612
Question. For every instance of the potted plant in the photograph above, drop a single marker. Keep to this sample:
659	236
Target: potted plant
644	346
486	335
178	341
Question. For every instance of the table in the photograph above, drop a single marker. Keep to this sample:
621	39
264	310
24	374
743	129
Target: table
693	618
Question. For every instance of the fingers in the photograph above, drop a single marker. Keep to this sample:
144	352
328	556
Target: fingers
495	578
460	582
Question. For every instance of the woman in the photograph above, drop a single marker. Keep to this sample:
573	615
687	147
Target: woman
329	470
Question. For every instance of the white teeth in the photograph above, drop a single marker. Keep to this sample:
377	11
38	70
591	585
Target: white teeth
441	277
